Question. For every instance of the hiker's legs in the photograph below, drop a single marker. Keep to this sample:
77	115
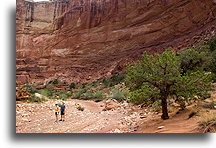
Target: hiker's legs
56	117
56	114
62	116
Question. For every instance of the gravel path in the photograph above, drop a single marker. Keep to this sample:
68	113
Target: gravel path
40	118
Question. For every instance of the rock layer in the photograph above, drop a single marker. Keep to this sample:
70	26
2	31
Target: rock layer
83	40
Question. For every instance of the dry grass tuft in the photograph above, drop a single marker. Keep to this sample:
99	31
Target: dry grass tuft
207	123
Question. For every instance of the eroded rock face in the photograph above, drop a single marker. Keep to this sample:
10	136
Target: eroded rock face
82	40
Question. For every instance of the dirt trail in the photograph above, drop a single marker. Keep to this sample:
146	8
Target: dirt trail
40	118
178	123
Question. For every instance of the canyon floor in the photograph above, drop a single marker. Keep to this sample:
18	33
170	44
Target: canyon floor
98	117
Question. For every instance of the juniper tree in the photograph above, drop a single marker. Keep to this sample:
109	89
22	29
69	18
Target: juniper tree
160	76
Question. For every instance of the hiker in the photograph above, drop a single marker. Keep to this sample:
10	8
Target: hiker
56	112
62	112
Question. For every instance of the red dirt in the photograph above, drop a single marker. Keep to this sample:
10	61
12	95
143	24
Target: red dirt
178	123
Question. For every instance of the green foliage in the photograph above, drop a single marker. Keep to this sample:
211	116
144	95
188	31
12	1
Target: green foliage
117	78
113	80
88	95
30	88
99	95
210	49
84	85
156	106
119	95
163	75
139	96
79	94
72	86
153	72
105	82
192	60
36	99
213	66
212	44
55	81
46	92
193	84
63	95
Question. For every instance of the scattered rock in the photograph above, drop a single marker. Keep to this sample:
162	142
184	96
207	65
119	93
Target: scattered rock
26	120
111	104
117	131
160	127
144	116
24	115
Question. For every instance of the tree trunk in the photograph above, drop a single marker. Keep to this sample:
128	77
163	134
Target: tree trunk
164	108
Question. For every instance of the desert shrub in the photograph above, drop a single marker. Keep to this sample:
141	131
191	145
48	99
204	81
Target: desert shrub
80	108
30	88
99	95
105	82
55	81
84	85
72	86
113	80
119	95
79	94
88	95
212	44
207	123
63	95
35	99
117	78
213	65
111	84
46	92
94	84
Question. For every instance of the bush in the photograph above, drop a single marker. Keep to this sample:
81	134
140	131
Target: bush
72	85
36	99
113	80
213	44
84	85
80	93
88	95
55	81
117	78
119	95
46	92
30	88
99	95
64	95
105	82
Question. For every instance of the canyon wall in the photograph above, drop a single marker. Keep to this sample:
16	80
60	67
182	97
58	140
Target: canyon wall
83	40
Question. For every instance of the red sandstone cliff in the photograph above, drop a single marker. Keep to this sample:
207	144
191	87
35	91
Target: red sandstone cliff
81	40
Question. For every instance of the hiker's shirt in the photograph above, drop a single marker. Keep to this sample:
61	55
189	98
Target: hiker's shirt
57	110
